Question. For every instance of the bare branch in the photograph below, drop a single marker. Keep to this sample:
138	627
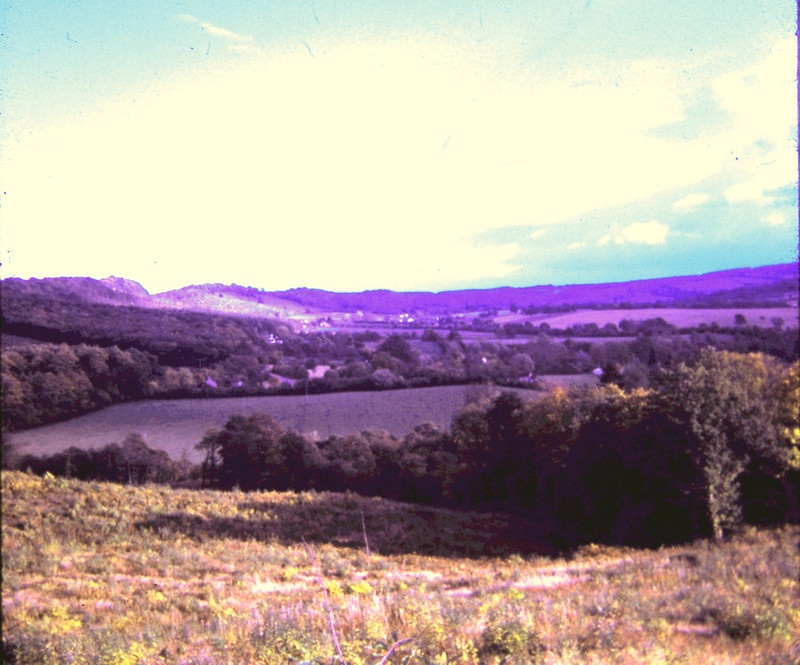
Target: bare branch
399	643
366	540
328	607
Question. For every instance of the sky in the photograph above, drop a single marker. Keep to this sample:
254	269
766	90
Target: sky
417	145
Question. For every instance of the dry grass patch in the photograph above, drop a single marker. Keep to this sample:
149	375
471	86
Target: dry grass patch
96	573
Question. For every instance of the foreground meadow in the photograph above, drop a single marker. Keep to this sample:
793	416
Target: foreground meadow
103	573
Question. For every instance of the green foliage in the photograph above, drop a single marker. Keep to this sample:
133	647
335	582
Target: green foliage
725	401
710	446
45	382
787	395
132	462
249	447
125	352
511	639
398	347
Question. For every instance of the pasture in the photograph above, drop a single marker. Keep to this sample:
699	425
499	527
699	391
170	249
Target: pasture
177	425
681	318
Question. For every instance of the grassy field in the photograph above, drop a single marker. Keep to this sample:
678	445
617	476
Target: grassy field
177	425
98	573
682	318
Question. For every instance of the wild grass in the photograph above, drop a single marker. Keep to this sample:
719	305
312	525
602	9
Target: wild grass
101	573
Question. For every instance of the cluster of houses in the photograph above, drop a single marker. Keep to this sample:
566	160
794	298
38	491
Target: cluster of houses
274	380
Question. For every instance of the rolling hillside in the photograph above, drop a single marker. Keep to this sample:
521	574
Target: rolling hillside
775	285
778	282
102	573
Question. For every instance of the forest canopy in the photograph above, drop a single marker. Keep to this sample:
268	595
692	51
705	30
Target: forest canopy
709	446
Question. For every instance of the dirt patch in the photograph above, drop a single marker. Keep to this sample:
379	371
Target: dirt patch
550	580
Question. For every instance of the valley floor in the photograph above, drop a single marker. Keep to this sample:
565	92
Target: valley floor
101	573
176	426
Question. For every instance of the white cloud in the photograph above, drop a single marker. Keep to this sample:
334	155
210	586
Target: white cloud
641	233
285	175
215	30
690	201
223	32
775	218
762	99
758	185
646	233
323	170
649	233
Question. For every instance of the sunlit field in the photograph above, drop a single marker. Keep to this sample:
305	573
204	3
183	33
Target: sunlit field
763	317
101	573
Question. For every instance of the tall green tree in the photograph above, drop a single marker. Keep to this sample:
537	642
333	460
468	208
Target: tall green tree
250	451
725	400
210	446
788	416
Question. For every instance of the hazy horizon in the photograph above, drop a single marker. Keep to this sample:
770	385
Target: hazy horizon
313	288
428	147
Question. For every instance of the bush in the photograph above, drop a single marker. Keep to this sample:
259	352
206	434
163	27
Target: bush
133	462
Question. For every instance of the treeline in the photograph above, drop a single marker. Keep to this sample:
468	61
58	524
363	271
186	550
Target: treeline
709	446
776	294
176	338
715	443
775	341
132	462
43	383
80	356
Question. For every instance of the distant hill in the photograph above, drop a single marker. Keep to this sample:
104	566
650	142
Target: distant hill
231	299
108	291
218	298
776	284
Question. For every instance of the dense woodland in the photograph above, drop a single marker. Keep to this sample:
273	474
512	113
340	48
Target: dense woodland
709	446
64	356
46	382
690	433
